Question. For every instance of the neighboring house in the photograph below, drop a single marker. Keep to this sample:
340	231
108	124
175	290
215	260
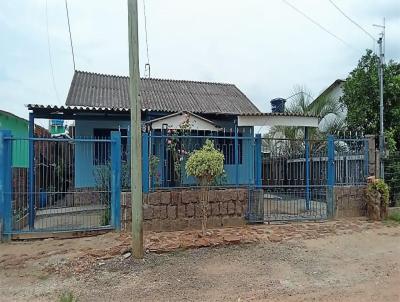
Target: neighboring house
100	104
19	129
334	91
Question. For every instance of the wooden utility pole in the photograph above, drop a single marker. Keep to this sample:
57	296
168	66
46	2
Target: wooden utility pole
136	135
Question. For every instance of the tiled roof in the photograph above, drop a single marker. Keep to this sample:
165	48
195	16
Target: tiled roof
108	91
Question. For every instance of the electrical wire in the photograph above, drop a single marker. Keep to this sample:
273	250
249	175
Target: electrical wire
50	56
315	22
351	20
70	35
146	35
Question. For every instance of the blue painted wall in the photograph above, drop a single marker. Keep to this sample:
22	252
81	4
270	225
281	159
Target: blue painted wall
85	169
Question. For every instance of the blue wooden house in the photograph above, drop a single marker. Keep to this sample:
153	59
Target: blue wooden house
99	104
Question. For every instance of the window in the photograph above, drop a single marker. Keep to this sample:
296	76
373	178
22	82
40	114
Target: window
102	150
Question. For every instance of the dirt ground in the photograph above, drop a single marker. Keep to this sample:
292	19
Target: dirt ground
362	264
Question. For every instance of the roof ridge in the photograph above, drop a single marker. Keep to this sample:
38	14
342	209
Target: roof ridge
155	79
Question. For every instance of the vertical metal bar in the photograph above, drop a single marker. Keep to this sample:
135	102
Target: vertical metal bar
163	151
145	162
258	159
331	176
6	183
366	159
31	176
116	179
236	156
307	147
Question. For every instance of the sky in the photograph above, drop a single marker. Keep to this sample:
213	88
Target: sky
264	47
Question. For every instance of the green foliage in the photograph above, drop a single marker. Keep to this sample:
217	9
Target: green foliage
154	162
206	164
361	98
325	107
381	187
394	217
68	297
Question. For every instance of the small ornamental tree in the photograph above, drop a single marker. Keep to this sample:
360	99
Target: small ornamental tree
205	164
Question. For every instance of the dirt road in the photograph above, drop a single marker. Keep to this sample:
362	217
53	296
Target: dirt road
359	266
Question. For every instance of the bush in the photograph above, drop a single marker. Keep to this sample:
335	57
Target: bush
206	165
377	199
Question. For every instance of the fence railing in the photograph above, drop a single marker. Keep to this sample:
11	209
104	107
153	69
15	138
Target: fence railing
60	184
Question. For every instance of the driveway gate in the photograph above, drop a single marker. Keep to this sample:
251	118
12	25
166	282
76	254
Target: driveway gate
59	184
298	177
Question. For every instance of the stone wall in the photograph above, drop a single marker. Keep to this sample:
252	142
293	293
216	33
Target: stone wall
180	209
350	201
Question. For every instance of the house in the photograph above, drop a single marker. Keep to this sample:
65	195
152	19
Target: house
99	104
19	129
334	91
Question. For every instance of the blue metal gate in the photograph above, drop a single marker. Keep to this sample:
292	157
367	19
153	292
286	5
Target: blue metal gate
61	184
297	177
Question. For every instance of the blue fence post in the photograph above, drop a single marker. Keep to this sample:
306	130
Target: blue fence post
236	157
5	184
116	179
307	154
163	151
258	160
331	177
366	159
145	163
128	155
31	173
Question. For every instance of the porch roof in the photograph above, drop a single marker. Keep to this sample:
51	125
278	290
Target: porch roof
292	119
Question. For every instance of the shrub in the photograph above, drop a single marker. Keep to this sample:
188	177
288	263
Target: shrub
377	199
206	165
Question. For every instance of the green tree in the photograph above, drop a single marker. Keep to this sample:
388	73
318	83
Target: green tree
361	97
326	107
205	164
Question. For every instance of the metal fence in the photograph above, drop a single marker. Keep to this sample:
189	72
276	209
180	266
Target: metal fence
167	154
69	184
392	176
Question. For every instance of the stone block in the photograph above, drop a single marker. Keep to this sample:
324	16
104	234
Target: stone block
189	210
165	198
155	198
212	196
223	208
190	196
176	197
232	221
214	222
163	212
231	207
171	210
181	211
215	209
227	195
147	212
181	224
219	195
156	212
239	208
194	223
242	193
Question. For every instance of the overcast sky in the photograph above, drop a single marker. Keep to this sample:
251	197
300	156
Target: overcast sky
264	47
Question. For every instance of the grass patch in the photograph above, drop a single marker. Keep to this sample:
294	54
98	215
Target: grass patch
394	217
68	297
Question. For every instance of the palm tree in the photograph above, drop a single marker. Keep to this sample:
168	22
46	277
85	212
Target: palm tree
290	139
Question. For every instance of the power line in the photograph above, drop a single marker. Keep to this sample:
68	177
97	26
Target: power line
316	23
70	35
351	20
147	66
50	56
